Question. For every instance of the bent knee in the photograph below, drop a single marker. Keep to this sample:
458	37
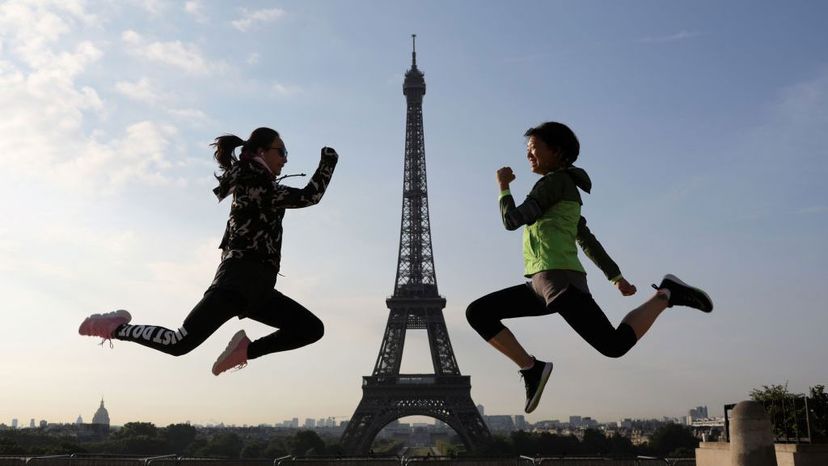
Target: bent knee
614	351
474	312
315	330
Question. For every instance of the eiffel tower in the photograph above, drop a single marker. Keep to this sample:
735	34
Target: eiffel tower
444	394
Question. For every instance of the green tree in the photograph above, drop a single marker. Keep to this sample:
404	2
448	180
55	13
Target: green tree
10	447
786	414
594	443
818	408
498	446
254	449
275	448
137	429
671	437
621	447
306	443
223	444
179	437
524	443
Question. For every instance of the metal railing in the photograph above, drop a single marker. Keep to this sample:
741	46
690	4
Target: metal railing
795	419
173	460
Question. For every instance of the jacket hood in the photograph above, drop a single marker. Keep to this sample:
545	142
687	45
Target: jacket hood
580	177
243	168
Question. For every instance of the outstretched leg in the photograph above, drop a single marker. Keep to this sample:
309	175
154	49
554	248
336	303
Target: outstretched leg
215	308
641	318
582	313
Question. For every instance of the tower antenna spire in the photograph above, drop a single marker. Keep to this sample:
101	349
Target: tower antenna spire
414	50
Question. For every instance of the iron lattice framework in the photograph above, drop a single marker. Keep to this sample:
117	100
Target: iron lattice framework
444	394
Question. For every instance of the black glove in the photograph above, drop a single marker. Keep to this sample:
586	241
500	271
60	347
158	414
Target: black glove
329	152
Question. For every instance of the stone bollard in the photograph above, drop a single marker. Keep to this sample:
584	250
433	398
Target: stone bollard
751	436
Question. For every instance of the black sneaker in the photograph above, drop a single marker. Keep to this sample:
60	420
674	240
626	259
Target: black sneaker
535	379
682	294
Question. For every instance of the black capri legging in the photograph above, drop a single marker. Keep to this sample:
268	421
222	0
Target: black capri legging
242	288
577	308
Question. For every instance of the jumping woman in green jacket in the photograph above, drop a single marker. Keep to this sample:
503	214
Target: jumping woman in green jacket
552	215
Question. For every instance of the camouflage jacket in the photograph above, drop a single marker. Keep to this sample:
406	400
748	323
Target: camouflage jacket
254	229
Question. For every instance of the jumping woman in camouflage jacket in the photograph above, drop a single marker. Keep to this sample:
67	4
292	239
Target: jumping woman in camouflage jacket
251	251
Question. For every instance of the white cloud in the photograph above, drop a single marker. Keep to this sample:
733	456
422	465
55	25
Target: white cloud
146	92
679	36
253	59
142	90
250	19
30	28
285	90
154	7
187	57
46	109
196	9
189	115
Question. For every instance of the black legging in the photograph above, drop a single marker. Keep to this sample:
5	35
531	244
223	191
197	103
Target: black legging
241	288
577	308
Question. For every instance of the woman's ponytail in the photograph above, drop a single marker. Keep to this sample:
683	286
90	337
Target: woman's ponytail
224	150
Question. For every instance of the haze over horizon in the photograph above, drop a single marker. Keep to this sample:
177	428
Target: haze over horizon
702	127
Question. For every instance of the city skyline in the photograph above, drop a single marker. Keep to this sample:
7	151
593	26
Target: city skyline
326	420
701	125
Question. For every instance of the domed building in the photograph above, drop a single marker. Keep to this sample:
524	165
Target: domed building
101	415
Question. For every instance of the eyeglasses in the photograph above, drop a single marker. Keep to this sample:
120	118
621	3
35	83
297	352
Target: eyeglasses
282	151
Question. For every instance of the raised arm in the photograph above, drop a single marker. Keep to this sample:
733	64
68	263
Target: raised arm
286	197
545	193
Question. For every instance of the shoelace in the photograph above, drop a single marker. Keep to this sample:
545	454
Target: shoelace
526	384
239	367
669	302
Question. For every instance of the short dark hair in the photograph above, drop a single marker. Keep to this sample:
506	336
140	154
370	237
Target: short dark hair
559	136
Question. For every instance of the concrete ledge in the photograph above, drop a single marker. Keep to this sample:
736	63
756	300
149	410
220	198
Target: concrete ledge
787	454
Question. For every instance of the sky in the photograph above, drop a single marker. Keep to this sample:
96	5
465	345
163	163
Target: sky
702	125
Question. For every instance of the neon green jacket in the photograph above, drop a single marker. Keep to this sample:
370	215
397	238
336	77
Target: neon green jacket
552	215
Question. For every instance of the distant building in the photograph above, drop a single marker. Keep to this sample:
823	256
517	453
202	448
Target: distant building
575	421
548	425
500	423
31	424
310	423
14	423
79	420
699	412
101	415
43	424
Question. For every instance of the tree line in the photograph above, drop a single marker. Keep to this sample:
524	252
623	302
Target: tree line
145	439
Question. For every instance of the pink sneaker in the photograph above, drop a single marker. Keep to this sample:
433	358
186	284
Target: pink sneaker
104	325
234	356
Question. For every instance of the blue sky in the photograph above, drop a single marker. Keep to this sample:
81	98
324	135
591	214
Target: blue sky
702	126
